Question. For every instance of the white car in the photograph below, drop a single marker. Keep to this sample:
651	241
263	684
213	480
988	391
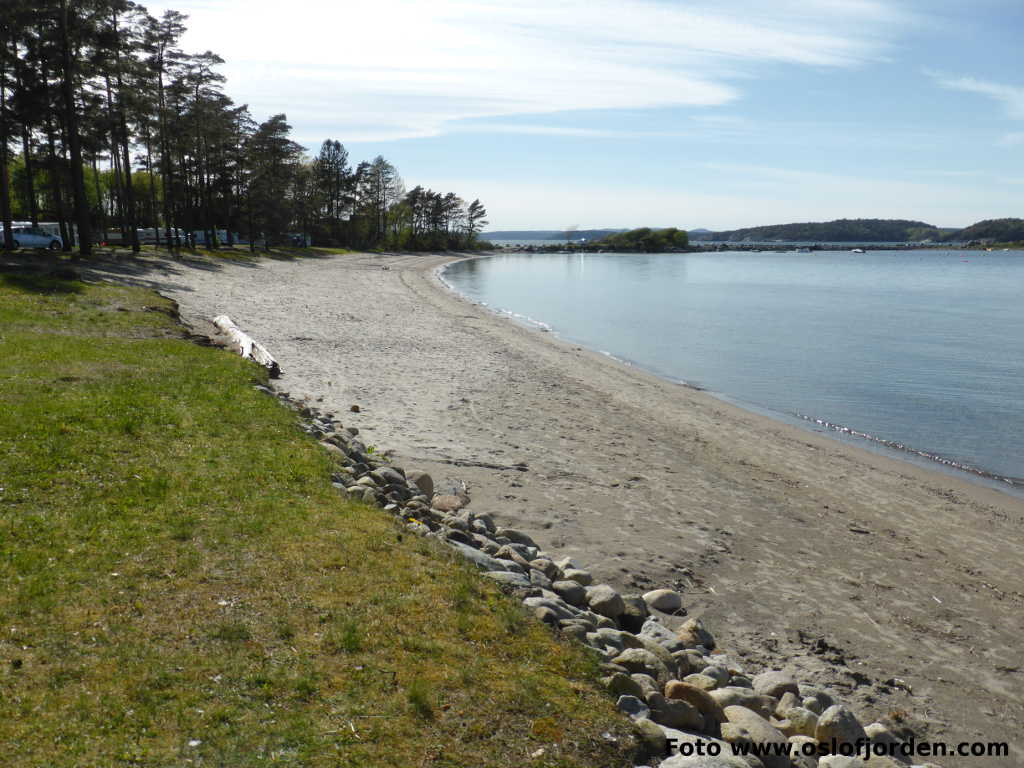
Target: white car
33	237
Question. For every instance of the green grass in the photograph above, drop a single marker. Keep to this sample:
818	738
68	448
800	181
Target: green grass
180	584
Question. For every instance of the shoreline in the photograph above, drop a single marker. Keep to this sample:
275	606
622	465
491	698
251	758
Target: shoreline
846	568
839	433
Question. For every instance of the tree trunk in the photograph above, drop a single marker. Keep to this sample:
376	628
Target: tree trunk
56	179
246	346
129	193
5	187
71	121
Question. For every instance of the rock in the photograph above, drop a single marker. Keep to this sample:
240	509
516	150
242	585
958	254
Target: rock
775	684
719	674
546	567
701	681
651	738
693	633
508	553
624	685
538	579
674	713
879	734
787	701
701	699
838	761
643	661
509	578
388	476
732	696
724	760
561	609
647	683
576	574
800	722
605	601
662	635
571	592
760	732
634	613
334	451
664	600
839	723
485	561
422	481
515	536
819	695
632	706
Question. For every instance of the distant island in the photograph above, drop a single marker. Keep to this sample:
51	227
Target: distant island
989	231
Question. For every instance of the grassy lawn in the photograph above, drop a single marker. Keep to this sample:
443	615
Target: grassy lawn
180	584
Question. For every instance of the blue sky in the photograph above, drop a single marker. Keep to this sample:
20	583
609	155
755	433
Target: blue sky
624	113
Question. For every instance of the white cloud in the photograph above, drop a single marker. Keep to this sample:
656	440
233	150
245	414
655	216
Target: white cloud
1011	96
405	68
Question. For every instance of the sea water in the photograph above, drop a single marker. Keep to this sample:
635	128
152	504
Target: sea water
921	351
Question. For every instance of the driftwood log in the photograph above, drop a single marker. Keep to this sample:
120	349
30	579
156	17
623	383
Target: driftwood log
247	346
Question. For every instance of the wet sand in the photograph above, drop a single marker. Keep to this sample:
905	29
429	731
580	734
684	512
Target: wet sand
899	586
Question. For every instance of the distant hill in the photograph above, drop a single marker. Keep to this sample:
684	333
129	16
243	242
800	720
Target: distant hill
550	234
996	230
838	231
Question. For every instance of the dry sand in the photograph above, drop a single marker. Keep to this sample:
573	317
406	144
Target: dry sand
800	552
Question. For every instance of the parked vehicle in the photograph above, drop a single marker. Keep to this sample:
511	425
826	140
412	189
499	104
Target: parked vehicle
34	237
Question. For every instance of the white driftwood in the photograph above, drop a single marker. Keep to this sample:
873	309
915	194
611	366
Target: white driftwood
247	346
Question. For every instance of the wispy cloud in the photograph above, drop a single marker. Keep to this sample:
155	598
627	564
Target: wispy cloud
1011	96
397	68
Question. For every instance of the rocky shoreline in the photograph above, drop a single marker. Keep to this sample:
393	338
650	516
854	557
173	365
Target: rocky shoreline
692	704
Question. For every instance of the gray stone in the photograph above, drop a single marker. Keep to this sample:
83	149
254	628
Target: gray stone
515	536
546	567
879	734
571	592
839	723
719	674
576	574
664	600
388	476
623	685
760	732
538	579
775	683
662	635
651	739
634	613
509	578
605	601
422	481
838	761
693	633
559	608
485	561
632	706
800	722
674	713
648	684
643	661
732	696
702	681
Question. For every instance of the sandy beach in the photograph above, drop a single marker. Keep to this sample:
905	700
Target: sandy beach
899	586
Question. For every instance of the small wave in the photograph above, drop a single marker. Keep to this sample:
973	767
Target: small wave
1014	482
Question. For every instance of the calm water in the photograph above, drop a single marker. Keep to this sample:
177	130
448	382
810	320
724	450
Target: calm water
924	349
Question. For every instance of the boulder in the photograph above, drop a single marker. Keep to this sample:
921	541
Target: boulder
674	713
879	734
621	684
760	731
732	696
701	699
642	661
547	567
515	536
664	600
538	579
632	706
485	561
775	684
560	609
576	574
634	613
702	681
799	722
692	633
509	578
839	723
605	601
651	739
571	592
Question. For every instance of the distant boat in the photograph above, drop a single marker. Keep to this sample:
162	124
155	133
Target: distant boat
857	250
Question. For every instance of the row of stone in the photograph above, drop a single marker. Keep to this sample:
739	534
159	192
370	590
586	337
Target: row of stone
683	694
